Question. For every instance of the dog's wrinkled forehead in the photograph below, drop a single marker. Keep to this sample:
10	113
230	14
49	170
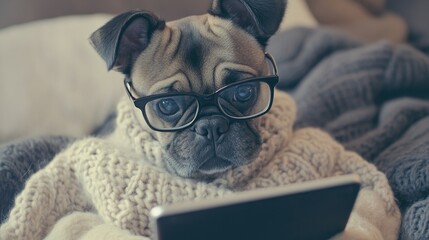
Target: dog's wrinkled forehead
198	54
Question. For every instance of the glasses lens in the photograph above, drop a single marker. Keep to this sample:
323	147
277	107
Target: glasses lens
172	112
245	100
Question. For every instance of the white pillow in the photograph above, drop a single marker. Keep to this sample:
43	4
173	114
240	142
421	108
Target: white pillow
52	81
298	14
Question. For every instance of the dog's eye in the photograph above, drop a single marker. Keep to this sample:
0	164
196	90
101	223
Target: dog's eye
168	106
244	93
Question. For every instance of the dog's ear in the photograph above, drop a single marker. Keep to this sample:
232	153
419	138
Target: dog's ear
261	18
120	41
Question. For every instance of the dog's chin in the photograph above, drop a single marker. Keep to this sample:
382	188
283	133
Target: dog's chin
212	168
208	170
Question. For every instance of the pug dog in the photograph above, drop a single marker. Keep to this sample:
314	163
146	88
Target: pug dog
201	135
198	85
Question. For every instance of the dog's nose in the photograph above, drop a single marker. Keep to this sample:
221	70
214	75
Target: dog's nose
212	127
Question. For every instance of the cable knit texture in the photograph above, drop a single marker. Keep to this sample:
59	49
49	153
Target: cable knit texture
19	160
106	187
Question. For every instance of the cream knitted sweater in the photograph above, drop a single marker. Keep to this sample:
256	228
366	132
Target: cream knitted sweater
105	188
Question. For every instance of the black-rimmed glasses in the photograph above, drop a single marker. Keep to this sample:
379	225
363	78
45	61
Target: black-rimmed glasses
242	100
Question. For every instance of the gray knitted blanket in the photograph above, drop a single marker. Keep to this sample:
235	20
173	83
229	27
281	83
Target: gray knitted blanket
373	98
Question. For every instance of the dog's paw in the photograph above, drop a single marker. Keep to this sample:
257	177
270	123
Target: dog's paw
359	231
356	234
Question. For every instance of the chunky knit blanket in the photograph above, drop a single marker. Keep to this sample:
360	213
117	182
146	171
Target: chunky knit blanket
374	99
105	187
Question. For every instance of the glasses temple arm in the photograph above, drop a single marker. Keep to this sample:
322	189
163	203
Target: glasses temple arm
273	63
129	88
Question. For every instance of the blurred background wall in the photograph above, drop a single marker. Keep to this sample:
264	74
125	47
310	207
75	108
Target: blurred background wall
21	11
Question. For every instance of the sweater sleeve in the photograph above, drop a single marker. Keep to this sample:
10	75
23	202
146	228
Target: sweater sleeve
375	206
45	199
58	202
375	214
88	226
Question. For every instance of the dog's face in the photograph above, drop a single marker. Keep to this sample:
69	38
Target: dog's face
198	54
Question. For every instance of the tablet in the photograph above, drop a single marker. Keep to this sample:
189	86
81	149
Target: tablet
310	210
